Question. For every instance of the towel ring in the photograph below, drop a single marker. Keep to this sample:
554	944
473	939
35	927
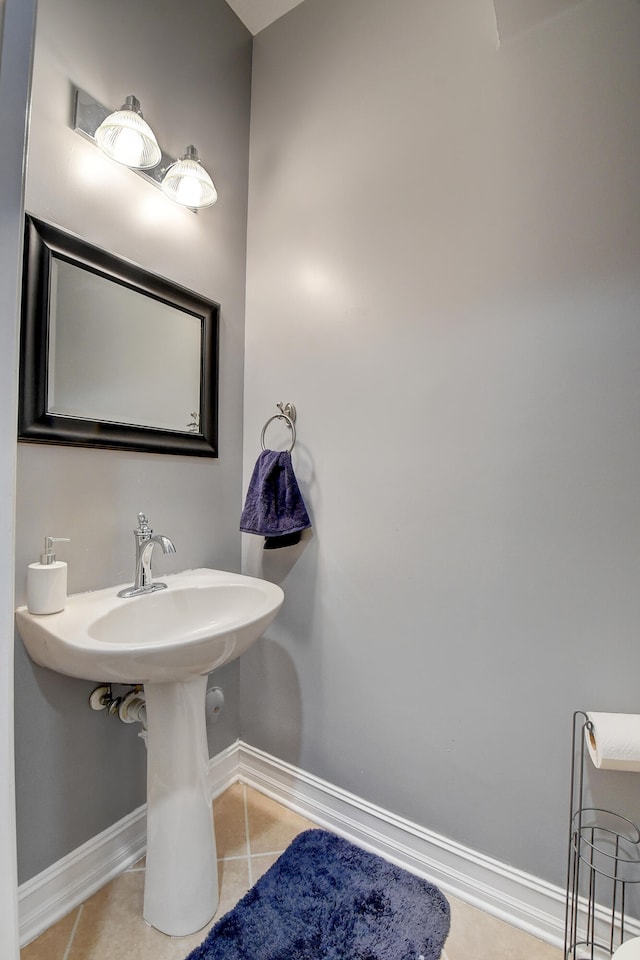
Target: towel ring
288	414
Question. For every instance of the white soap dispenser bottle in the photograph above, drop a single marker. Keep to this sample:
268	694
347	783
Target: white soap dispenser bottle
47	580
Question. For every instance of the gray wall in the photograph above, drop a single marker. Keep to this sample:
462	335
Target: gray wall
190	65
443	277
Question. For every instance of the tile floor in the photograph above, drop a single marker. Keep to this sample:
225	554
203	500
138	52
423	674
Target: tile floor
251	832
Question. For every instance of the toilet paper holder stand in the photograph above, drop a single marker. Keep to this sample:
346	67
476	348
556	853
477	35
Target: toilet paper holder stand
603	860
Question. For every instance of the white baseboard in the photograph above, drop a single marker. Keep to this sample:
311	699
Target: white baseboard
511	895
43	900
223	769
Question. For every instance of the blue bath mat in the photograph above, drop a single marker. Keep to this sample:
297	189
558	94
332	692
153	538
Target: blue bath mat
326	899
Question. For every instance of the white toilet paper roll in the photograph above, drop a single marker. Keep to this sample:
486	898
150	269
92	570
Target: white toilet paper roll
614	741
628	951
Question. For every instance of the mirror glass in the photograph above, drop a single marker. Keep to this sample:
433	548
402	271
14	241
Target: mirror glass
116	354
111	355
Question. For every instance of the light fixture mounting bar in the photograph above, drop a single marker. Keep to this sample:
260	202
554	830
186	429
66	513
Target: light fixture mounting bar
88	114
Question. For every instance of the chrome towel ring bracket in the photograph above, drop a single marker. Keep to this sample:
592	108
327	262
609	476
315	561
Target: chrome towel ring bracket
288	414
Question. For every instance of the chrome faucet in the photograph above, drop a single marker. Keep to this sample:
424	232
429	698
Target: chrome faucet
145	542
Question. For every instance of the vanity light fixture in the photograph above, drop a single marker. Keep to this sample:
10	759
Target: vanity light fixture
187	182
125	136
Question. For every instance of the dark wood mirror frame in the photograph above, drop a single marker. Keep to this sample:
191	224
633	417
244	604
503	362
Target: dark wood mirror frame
43	242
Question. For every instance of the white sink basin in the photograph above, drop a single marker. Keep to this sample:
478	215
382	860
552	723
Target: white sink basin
203	619
169	641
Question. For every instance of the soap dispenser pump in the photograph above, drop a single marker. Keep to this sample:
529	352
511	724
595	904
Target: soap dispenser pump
47	581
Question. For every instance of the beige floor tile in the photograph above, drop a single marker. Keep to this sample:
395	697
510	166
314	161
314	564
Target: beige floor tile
234	882
477	936
52	944
111	920
229	820
111	923
271	826
260	865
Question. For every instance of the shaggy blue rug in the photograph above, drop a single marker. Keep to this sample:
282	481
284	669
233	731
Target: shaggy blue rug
326	899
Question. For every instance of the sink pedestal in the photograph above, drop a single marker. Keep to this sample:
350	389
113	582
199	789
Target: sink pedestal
181	882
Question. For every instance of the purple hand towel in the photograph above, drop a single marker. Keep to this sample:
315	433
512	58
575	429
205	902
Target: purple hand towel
274	507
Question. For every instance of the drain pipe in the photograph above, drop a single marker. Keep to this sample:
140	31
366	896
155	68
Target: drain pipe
132	708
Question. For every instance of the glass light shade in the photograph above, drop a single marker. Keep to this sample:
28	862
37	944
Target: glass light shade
187	182
126	137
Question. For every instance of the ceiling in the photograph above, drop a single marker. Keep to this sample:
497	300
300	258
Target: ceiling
258	14
512	16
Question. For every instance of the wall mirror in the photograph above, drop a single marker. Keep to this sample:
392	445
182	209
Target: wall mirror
112	356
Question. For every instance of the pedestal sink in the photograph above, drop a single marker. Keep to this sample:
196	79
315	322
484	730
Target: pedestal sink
169	641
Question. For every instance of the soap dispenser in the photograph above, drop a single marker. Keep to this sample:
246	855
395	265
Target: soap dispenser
47	580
